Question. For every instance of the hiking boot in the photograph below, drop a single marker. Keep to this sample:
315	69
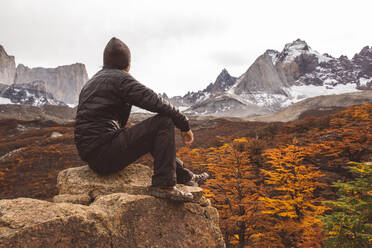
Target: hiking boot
197	179
172	193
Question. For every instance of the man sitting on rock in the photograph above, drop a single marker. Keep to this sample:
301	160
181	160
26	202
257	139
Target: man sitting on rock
103	141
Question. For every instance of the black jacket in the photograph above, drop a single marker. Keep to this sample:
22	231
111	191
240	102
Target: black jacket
104	106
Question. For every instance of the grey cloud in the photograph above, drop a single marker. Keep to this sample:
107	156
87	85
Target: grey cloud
229	58
174	28
181	36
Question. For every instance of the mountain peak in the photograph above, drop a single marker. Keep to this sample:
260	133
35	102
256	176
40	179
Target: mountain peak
274	55
278	79
223	82
223	74
4	53
366	51
7	67
297	45
364	55
294	49
297	48
298	42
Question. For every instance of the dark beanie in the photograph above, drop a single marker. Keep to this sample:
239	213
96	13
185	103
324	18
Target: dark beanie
116	54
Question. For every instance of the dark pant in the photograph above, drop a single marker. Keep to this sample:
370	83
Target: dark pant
155	135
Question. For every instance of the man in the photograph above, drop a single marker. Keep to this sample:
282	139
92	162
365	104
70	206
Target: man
103	141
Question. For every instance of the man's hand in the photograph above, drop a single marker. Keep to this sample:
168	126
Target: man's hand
187	137
129	124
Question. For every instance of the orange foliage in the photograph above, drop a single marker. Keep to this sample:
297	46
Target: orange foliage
273	200
292	201
235	188
247	188
34	160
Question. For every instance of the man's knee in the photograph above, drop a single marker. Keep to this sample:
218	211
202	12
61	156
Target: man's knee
164	121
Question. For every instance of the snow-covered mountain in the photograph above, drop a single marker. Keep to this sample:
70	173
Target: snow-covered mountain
273	82
64	82
223	82
33	93
278	79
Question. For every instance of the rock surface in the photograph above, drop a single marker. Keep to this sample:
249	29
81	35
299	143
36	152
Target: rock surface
26	222
32	93
55	113
3	87
7	67
64	82
262	76
225	105
109	219
83	181
223	82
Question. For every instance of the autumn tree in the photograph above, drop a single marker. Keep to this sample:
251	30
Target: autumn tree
234	188
293	203
350	223
348	137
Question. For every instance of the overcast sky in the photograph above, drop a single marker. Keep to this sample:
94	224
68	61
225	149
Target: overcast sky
179	46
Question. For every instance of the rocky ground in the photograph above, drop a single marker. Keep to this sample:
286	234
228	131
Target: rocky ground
114	211
60	114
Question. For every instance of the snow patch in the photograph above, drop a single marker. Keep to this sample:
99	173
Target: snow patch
363	81
297	48
4	100
299	93
71	105
330	81
203	97
136	109
274	55
261	99
183	108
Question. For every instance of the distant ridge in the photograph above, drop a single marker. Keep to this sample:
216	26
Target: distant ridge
278	79
328	103
63	82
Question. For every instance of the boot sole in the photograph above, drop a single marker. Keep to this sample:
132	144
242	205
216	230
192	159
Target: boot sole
165	195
